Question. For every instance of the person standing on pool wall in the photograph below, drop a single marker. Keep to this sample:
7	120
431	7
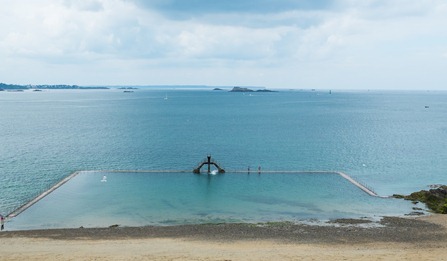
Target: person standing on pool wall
2	221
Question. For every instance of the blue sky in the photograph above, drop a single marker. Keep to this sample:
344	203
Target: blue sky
321	44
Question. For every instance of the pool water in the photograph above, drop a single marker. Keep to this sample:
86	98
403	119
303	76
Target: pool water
138	199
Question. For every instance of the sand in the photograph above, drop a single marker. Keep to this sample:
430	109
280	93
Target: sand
394	239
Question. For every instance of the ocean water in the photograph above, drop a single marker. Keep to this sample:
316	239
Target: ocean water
387	140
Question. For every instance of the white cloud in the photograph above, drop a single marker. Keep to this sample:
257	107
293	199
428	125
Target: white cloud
316	47
85	5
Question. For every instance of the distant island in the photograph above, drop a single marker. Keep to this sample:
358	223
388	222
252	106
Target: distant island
5	86
18	87
243	89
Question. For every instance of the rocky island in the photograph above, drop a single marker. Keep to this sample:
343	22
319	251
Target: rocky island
244	89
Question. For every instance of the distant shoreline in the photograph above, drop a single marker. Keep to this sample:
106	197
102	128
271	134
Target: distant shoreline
4	86
260	89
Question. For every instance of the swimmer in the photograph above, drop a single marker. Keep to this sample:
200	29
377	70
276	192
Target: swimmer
2	221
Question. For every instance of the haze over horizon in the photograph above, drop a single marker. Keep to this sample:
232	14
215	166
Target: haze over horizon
321	44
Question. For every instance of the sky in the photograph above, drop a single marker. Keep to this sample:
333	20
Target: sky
299	44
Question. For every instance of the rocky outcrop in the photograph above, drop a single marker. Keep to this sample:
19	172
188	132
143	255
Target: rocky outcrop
265	90
435	199
241	89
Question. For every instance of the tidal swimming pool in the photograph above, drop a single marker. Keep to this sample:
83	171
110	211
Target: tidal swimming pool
138	199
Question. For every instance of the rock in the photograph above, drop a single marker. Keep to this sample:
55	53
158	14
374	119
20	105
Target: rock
415	213
265	90
435	199
349	221
240	89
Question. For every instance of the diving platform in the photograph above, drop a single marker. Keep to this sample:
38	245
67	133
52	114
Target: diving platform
208	161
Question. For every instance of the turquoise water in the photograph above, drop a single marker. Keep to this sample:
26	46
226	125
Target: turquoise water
135	199
388	140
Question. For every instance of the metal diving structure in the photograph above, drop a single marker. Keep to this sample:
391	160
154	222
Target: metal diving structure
208	161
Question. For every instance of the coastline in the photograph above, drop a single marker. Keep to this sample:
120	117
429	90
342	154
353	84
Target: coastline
422	238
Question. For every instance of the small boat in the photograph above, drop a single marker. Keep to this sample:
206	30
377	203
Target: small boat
426	106
166	97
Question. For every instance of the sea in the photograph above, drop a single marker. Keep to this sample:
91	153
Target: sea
394	142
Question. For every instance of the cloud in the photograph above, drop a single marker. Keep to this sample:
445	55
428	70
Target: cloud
77	30
289	42
84	5
73	31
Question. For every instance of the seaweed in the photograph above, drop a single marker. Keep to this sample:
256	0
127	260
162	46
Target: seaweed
434	199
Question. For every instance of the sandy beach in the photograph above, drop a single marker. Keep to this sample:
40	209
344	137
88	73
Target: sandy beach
423	238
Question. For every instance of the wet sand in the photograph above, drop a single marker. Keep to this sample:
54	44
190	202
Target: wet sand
423	238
